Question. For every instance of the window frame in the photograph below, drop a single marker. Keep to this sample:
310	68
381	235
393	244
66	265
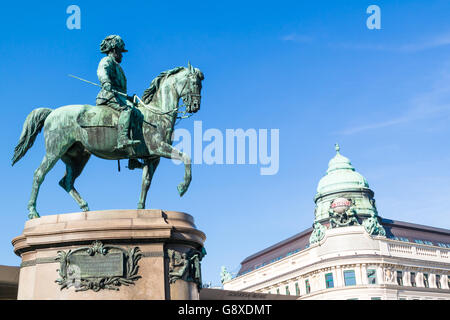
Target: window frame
307	286
328	281
353	278
426	280
297	289
412	275
373	277
400	277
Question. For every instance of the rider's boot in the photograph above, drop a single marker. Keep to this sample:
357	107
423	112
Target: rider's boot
134	164
122	131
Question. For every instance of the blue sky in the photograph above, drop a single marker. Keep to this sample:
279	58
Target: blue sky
311	69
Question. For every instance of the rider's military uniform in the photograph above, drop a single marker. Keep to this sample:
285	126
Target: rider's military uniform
113	80
109	71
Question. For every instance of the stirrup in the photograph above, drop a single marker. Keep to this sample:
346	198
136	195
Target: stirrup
127	143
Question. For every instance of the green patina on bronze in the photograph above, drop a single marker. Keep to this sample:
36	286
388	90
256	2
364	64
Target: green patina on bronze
114	88
344	219
186	266
98	267
225	276
373	226
75	132
318	232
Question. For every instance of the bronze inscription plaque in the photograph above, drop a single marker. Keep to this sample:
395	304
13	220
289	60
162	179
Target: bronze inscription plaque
109	265
98	267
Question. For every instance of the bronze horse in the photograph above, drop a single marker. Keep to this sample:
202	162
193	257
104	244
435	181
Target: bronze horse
74	132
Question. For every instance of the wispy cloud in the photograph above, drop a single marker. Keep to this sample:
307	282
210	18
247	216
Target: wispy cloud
429	105
412	115
295	37
424	44
377	125
439	41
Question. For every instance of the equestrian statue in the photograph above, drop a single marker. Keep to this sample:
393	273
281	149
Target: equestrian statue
118	127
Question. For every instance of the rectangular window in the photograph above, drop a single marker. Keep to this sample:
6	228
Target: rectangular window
413	279
349	277
399	277
425	280
308	287
278	290
288	293
375	298
438	281
297	289
372	276
329	280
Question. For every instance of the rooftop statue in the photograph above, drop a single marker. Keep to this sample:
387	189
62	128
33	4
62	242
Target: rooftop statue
225	276
119	127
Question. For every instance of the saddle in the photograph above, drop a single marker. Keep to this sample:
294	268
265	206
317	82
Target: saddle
98	116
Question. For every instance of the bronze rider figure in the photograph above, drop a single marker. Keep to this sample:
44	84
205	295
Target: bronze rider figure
113	80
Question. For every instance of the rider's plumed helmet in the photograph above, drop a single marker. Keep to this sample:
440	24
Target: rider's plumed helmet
111	42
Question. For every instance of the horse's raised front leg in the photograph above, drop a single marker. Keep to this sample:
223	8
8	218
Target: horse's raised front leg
167	151
147	174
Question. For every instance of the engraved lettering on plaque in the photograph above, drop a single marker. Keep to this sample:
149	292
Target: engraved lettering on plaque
110	265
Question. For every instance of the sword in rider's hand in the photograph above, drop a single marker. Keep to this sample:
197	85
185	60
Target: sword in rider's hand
96	84
135	99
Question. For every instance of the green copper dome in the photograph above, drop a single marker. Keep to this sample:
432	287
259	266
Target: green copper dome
341	175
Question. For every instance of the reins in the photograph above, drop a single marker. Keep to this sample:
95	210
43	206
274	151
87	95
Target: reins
157	112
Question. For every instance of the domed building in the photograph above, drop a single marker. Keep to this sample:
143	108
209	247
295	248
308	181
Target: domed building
351	252
343	199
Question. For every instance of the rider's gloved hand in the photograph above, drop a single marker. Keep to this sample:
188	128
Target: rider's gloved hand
107	86
131	98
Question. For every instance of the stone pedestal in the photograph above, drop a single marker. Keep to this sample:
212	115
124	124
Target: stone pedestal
118	240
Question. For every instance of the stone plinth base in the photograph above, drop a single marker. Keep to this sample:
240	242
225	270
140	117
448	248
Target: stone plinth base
121	240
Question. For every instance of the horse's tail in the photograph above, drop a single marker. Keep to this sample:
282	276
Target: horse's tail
32	126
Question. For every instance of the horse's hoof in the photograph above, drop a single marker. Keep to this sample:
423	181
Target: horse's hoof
85	208
33	215
140	206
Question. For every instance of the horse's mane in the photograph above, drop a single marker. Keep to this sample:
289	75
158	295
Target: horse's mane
149	93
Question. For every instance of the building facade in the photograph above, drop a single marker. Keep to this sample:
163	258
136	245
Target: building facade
351	252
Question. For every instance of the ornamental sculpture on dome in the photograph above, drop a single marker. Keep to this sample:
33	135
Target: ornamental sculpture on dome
342	213
336	147
318	232
373	227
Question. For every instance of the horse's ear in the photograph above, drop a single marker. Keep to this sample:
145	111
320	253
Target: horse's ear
191	70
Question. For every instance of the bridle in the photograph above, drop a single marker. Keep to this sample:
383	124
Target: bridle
187	99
